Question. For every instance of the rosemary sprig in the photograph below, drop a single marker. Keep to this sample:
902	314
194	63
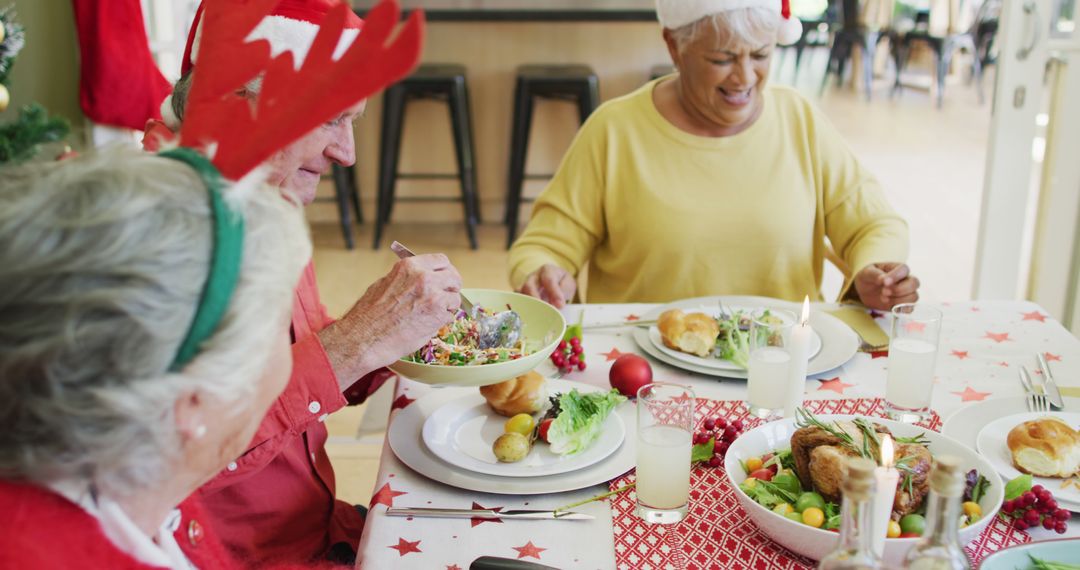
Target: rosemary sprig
919	439
806	419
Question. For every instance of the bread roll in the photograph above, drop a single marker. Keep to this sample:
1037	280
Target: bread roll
693	333
1046	447
526	394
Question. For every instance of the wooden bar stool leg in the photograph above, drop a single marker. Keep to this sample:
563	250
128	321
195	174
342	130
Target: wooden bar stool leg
389	152
519	143
459	121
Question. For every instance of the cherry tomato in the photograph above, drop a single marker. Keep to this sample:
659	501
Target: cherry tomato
914	524
814	517
972	510
753	464
909	535
894	530
783	509
763	474
521	423
544	427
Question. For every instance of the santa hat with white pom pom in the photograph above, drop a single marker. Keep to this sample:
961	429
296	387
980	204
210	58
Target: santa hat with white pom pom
674	14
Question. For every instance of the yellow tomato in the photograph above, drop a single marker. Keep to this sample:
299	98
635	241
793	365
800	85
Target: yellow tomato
972	510
894	530
783	509
753	464
813	517
521	423
750	482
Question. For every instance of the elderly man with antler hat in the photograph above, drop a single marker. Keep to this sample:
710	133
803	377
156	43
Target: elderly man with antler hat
276	500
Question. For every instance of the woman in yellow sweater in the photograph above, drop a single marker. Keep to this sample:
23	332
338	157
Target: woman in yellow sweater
708	182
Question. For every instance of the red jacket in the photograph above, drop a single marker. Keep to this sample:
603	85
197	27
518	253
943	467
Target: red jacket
276	502
45	530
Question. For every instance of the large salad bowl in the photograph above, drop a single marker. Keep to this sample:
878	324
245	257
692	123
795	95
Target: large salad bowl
542	327
815	543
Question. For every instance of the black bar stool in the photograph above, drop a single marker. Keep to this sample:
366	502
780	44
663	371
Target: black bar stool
568	82
444	82
347	196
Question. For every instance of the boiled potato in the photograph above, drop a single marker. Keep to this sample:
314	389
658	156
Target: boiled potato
511	447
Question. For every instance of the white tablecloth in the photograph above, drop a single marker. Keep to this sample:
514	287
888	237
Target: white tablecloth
982	346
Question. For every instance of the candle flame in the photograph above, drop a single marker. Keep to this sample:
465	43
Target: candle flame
886	451
805	310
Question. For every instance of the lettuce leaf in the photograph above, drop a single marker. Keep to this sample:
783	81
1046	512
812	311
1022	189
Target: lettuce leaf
581	419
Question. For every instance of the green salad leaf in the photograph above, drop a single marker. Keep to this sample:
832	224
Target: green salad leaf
1017	487
733	343
1040	564
581	419
702	451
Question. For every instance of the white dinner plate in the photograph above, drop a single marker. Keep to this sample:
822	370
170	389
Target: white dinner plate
713	361
991	443
406	441
838	342
965	424
461	432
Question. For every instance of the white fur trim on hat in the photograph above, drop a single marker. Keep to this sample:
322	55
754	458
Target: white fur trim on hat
168	116
286	34
674	14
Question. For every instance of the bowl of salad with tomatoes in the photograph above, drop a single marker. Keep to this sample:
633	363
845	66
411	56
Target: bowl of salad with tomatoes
787	476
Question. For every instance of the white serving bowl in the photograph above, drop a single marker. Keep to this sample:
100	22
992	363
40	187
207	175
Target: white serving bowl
542	327
815	543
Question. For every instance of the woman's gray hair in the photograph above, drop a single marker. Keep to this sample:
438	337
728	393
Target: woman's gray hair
103	259
751	25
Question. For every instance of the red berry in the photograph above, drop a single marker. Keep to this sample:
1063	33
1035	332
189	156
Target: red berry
1037	488
1027	499
1031	517
729	434
721	423
562	345
700	438
575	341
1008	507
710	424
1051	505
737	424
573	360
1043	495
1020	524
577	349
581	365
723	446
1060	529
719	446
1048	523
566	370
715	461
1062	515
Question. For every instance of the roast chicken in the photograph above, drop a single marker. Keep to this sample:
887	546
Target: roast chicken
820	462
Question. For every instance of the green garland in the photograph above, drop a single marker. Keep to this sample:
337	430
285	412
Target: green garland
22	139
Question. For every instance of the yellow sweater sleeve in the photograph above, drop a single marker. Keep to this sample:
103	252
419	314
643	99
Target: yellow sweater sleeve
568	217
859	223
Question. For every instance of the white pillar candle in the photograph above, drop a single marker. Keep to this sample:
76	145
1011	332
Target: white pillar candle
799	349
886	477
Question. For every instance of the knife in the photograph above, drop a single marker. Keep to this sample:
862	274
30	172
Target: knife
485	514
1049	384
496	563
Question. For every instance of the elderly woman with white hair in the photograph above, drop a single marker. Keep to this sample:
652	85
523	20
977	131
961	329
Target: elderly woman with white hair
711	182
143	336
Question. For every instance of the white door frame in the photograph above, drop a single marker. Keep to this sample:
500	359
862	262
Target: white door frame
1022	35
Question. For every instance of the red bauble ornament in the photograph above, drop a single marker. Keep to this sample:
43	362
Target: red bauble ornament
629	373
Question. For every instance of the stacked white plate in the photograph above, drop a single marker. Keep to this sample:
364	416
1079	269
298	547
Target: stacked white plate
985	426
832	344
448	434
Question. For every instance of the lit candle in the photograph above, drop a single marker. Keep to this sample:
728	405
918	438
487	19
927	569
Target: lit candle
798	348
886	477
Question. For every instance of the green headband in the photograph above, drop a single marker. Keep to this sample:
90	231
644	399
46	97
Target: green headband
225	255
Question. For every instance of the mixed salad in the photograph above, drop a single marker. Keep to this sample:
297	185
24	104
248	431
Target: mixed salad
772	482
733	342
458	343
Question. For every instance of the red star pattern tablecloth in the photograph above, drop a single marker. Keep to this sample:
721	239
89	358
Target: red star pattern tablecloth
982	346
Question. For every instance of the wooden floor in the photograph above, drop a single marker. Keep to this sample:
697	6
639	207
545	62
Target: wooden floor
929	161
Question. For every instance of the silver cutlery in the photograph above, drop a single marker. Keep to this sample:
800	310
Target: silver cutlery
502	329
1050	385
486	514
1036	402
497	563
617	324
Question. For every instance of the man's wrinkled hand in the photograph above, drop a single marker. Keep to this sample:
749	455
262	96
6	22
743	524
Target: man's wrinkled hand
552	284
882	286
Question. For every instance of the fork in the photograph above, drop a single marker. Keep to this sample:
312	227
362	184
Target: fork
1036	402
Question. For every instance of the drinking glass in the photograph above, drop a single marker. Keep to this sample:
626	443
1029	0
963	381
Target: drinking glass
913	347
769	385
665	426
